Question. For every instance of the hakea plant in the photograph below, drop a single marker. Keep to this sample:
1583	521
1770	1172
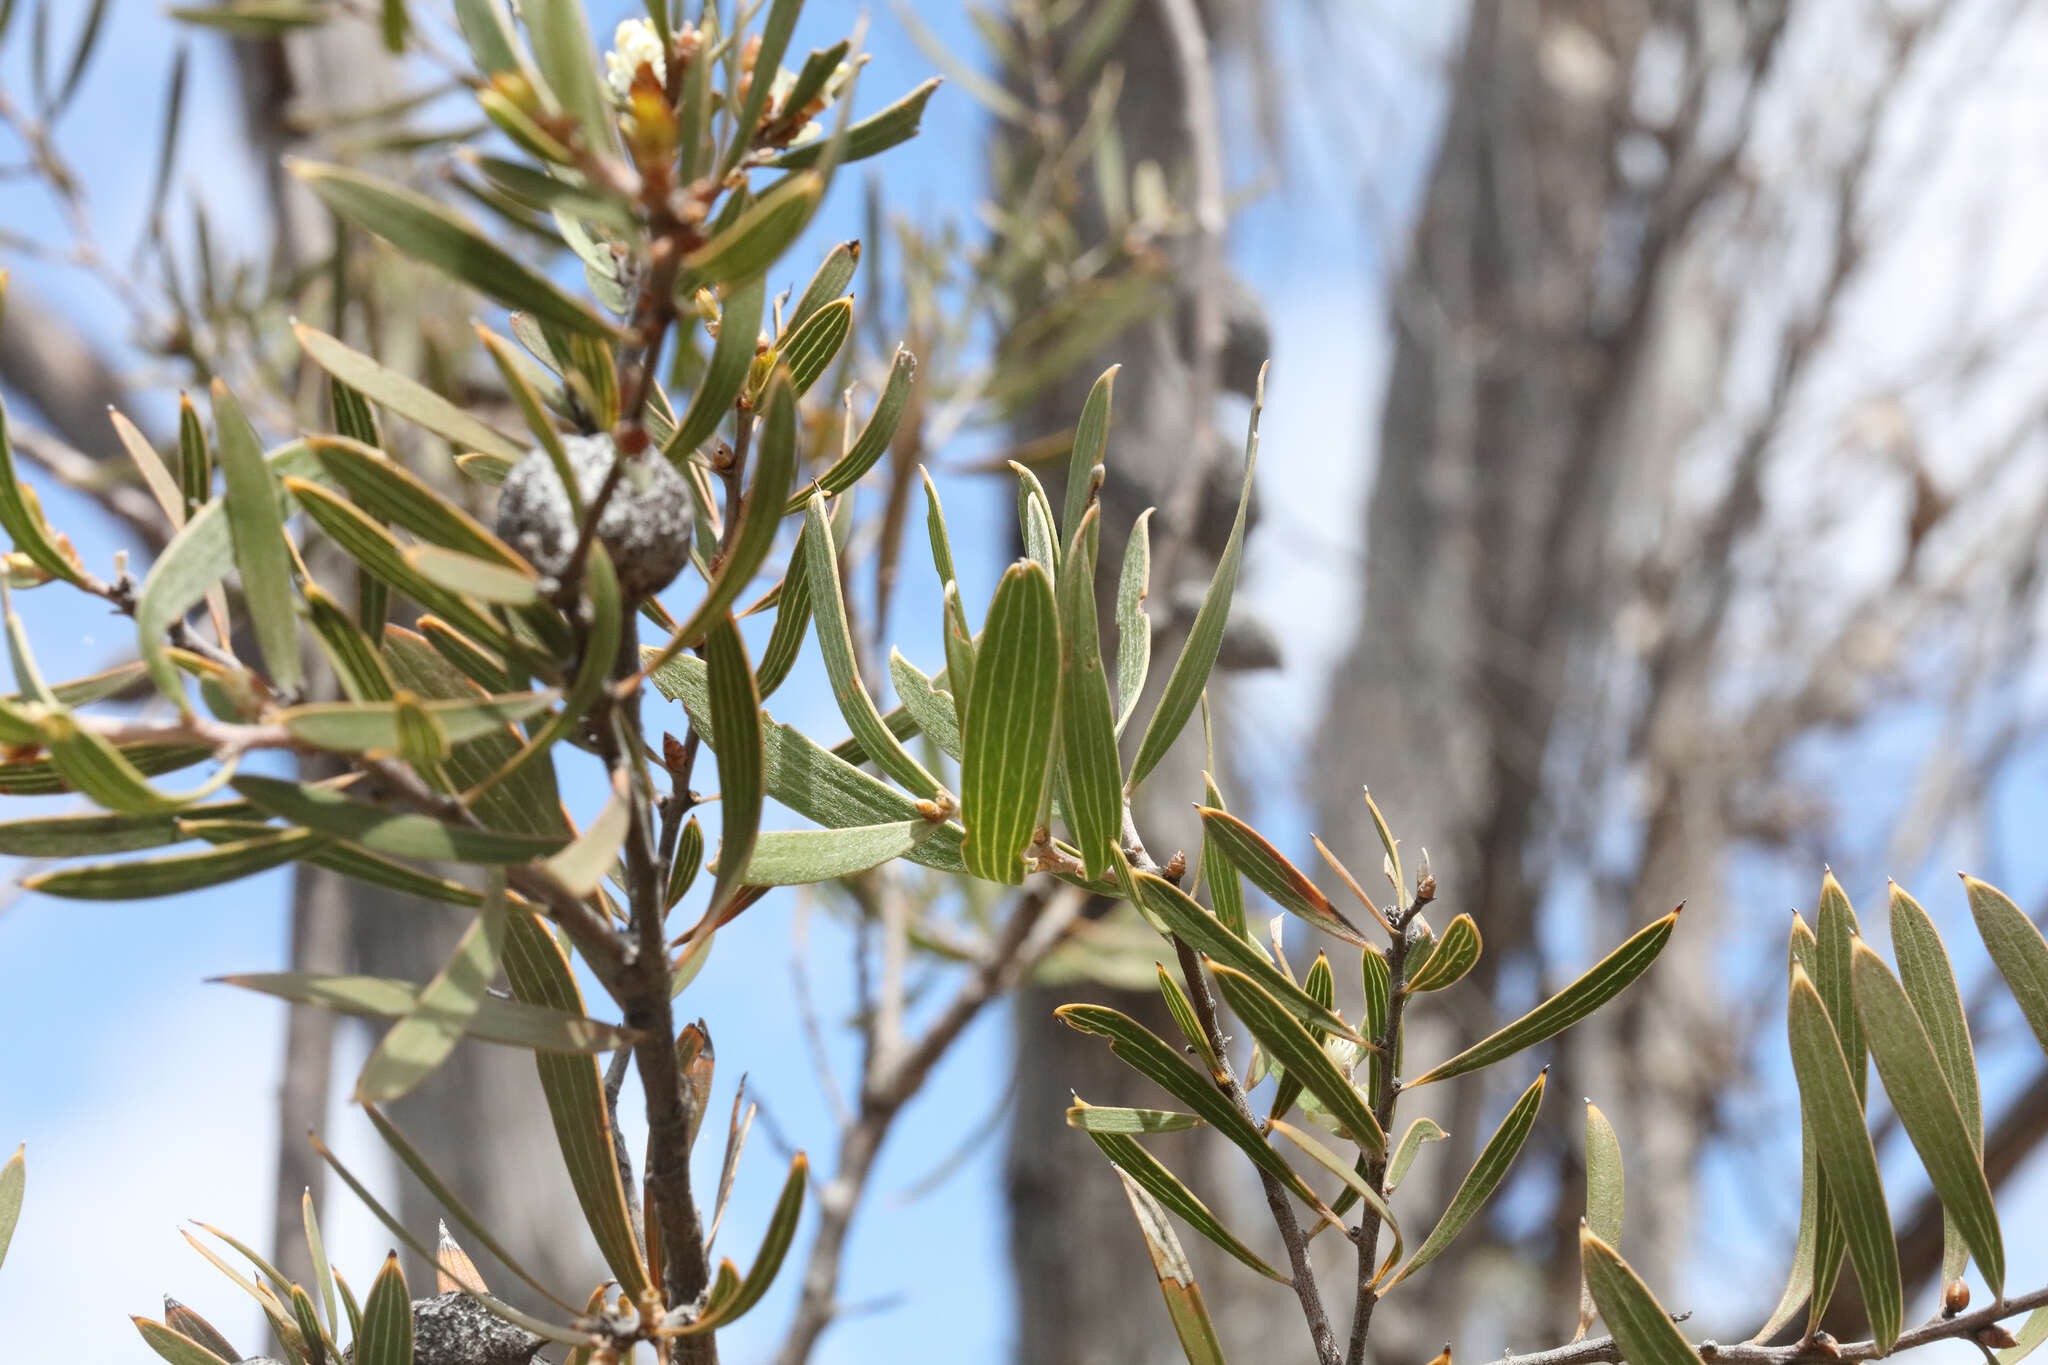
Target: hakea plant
529	649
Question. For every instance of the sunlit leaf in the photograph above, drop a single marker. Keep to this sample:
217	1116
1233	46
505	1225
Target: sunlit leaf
1167	1188
540	975
725	375
185	1322
1084	464
1133	628
873	441
386	1335
175	1347
261	552
1930	983
801	856
1190	676
1920	1095
409	399
145	878
1482	1180
1184	1303
1094	777
1273	874
1145	1053
931	707
1829	1100
1355	1184
1095	1118
365	727
759	236
1454	955
866	137
1007	737
808	347
13	1182
437	236
2016	948
1604	1199
1642	1328
1288	1043
510	1022
1601	982
395	832
768	1260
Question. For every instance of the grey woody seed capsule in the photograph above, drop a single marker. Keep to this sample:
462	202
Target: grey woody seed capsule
646	526
454	1329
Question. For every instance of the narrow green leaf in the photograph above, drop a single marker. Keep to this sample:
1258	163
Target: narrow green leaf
2032	1333
414	1046
540	975
807	777
1007	737
438	237
1423	1130
1207	935
1273	874
1163	1185
1832	1106
835	643
256	18
1454	955
1604	1199
1084	464
368	727
1094	1118
195	458
867	137
1642	1329
754	241
736	715
1144	1052
792	623
808	347
941	541
388	491
409	399
768	1260
1219	874
509	1022
316	1250
961	647
1187	1021
1190	676
1602	981
41	777
797	857
65	836
13	1182
725	376
185	1322
1133	628
1034	521
386	1335
581	867
1355	1183
21	516
357	664
175	1347
873	442
2016	948
1482	1180
261	551
1930	983
116	778
307	1318
1288	1043
834	274
398	833
170	876
929	705
1912	1075
150	465
1184	1304
1812	1213
416	1162
1094	777
767	61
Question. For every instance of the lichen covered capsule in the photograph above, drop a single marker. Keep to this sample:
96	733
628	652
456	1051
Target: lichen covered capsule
645	528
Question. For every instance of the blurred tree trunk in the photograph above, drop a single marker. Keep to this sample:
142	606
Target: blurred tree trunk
340	925
1086	1291
1552	343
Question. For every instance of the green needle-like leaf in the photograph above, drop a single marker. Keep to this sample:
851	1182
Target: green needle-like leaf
768	1260
386	1335
21	516
1420	1132
1454	955
1095	1118
179	873
1184	1303
835	643
1006	740
540	975
1482	1180
1166	1187
174	1346
1355	1185
1272	873
808	347
1832	1106
929	705
563	51
2016	948
1289	1044
1094	777
834	274
1641	1327
406	397
512	1023
725	375
1927	1110
398	833
871	136
1930	983
1144	1052
736	715
1190	676
758	237
414	1046
1207	935
1603	981
1084	465
1812	1214
261	552
1604	1191
873	441
1133	627
368	727
438	237
13	1183
801	856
